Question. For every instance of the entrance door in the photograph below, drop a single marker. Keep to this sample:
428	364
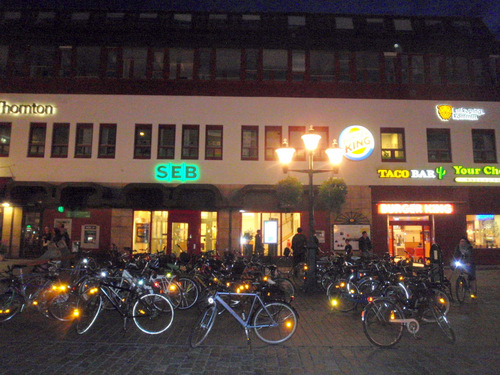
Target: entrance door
410	237
184	234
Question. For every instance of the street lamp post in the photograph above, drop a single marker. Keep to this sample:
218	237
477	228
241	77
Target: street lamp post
335	155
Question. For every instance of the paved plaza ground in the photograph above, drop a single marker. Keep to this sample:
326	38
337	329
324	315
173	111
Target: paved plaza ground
326	342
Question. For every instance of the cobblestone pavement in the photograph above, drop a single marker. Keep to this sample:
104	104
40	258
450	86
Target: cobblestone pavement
326	342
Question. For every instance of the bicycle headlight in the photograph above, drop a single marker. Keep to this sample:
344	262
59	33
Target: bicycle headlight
211	300
458	264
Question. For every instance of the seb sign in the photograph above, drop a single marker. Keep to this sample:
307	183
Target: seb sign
177	172
416	208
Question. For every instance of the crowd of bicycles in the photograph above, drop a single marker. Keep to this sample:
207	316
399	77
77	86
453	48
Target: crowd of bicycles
149	288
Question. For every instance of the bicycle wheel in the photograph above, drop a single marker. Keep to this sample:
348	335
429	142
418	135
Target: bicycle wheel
382	323
153	313
461	289
275	323
10	306
62	306
328	278
443	323
342	295
287	290
441	300
190	293
169	288
203	326
89	306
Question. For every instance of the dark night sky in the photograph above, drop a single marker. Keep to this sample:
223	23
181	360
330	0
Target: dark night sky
489	10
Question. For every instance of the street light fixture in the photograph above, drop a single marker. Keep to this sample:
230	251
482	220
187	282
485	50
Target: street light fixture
335	155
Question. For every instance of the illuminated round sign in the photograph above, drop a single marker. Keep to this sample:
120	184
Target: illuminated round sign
357	141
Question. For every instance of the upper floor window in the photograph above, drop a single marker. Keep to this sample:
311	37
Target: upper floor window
298	65
36	143
228	63
484	146
88	60
390	64
438	145
183	20
295	134
205	59
112	66
457	70
344	23
107	141
142	141
60	140
158	63
134	62
412	69
392	144
251	64
83	144
322	66
18	61
275	64
190	142
181	63
65	61
436	69
495	69
402	24
249	142
480	73
213	145
5	138
4	56
272	141
375	25
296	21
344	66
42	61
166	142
367	67
80	17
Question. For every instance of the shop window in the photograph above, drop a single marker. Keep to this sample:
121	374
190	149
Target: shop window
438	145
83	144
141	236
36	143
213	145
251	63
228	64
166	142
5	128
483	231
142	141
60	140
88	60
249	143
367	67
134	63
275	64
322	66
272	142
158	63
107	141
483	143
208	231
190	142
181	63
42	61
392	143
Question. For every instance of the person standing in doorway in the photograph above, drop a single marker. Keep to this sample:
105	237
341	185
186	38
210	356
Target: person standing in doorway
259	246
365	245
299	243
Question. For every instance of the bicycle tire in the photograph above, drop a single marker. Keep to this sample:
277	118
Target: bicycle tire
340	295
170	288
443	323
10	305
441	300
275	323
62	306
461	289
203	326
89	307
286	287
153	313
190	292
328	278
380	323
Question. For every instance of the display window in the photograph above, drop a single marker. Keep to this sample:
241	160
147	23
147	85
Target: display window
483	231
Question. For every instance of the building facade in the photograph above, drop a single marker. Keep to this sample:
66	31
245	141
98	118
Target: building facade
157	130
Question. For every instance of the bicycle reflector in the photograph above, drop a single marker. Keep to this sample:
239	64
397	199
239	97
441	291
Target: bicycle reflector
334	302
76	313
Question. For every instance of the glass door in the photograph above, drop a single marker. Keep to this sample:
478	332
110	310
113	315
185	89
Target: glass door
410	237
180	236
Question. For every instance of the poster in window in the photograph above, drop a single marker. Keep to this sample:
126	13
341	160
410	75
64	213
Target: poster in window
271	231
142	232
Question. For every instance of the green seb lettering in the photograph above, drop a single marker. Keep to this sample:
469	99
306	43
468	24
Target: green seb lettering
177	172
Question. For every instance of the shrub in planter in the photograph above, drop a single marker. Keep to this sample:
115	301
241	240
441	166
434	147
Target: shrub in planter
332	194
289	191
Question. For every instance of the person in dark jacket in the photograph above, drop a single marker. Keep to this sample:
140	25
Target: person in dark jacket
299	247
464	253
365	245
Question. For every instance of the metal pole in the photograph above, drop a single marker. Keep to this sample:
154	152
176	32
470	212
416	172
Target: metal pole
311	247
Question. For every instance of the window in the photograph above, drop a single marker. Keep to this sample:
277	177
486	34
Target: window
275	64
87	61
390	59
107	141
60	140
83	144
134	63
181	63
438	145
403	25
412	69
17	61
367	67
166	142
392	143
322	66
142	141
482	231
295	134
4	55
228	62
66	61
479	72
457	71
36	144
272	141
494	69
158	63
375	25
190	141
213	146
344	23
436	69
205	57
5	138
298	65
251	63
344	66
42	61
112	62
249	142
295	22
483	146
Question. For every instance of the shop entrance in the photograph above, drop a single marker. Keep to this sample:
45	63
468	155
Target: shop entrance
410	237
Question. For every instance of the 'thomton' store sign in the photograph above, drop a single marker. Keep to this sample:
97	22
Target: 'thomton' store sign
26	109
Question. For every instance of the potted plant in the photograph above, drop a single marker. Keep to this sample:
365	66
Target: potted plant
289	192
332	194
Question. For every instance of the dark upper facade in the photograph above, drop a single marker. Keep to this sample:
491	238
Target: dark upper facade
247	54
